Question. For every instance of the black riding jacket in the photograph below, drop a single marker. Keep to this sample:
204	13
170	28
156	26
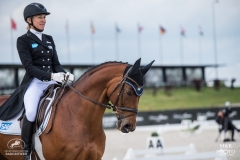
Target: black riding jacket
39	59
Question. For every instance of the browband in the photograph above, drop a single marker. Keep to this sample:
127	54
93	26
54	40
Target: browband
138	90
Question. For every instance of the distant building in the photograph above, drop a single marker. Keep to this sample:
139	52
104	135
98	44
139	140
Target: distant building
158	76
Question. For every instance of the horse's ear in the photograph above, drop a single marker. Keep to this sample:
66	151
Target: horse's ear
135	67
146	68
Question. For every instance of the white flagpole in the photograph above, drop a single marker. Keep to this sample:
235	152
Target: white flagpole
139	41
200	44
116	42
12	45
160	49
181	49
182	33
200	50
92	42
67	40
93	51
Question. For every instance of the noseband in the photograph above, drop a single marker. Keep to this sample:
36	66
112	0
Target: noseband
114	107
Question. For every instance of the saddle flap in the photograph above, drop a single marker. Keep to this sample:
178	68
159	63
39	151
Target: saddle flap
47	99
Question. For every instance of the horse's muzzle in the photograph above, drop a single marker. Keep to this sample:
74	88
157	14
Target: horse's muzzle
125	128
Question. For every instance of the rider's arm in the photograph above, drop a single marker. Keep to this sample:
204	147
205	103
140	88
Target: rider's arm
55	62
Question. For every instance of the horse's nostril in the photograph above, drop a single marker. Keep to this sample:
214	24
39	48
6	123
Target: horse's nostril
127	127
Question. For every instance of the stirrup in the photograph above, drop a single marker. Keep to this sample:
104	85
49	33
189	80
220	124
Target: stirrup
30	156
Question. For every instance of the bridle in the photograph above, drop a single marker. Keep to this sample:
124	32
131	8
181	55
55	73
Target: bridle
113	106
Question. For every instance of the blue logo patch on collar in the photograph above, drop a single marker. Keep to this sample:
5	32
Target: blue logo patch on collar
34	45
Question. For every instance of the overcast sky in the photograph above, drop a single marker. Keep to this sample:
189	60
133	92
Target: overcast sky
150	14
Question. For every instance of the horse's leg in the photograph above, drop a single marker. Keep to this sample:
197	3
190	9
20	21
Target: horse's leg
4	150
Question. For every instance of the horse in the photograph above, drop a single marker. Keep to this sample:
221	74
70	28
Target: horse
77	132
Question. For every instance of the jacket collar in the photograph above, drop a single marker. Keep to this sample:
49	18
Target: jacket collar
35	38
44	39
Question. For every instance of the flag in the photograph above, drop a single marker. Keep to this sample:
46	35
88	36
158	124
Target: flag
13	24
140	28
162	30
92	28
183	32
200	31
118	30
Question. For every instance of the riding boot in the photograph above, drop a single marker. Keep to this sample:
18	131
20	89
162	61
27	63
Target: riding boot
233	135
224	136
26	134
238	130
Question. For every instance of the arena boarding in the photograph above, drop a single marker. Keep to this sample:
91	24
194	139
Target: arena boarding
178	143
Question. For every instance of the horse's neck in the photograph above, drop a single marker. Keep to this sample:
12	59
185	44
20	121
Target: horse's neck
93	85
3	99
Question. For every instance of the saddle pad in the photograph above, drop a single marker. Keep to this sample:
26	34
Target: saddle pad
11	126
47	113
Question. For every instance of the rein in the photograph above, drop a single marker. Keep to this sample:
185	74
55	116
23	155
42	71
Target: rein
110	106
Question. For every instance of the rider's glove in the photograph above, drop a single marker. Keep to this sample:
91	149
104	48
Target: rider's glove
70	77
59	77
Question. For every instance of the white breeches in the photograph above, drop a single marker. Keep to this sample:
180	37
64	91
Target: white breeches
32	97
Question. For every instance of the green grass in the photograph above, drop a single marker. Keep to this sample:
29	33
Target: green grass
188	97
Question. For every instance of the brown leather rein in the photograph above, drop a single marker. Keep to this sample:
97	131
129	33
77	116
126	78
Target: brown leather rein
110	106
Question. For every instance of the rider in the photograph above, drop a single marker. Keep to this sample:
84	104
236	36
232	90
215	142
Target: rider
224	121
39	57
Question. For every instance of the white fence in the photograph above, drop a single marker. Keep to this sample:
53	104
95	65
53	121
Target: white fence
170	153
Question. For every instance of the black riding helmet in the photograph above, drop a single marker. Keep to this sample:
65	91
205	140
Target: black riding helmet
32	10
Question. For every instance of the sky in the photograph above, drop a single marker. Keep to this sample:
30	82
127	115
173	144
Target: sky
165	49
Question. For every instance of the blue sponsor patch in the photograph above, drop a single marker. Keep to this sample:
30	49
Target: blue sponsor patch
5	125
34	45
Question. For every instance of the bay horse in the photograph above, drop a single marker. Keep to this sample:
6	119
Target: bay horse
77	132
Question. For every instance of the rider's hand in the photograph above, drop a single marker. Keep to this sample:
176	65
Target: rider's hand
70	77
59	77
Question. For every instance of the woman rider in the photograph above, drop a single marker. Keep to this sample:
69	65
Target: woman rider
39	57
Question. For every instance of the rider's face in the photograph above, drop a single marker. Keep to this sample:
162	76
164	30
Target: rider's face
39	21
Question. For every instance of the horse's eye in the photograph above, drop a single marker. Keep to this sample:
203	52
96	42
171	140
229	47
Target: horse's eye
129	93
